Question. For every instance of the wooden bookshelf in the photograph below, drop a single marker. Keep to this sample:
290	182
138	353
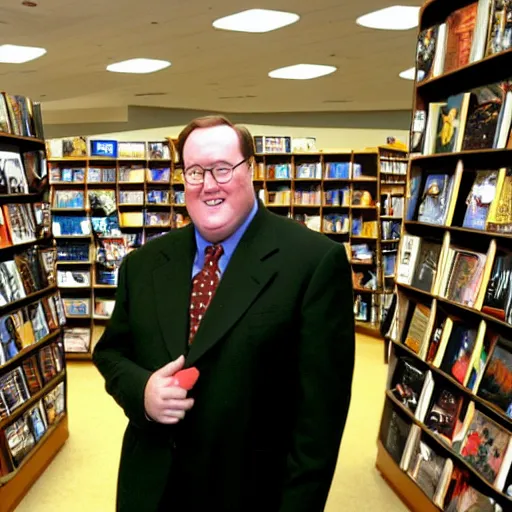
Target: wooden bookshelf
464	228
139	182
383	171
26	401
370	160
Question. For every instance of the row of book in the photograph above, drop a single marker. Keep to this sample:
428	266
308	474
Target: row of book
21	329
111	175
21	116
83	147
21	437
392	205
312	170
104	201
81	307
27	379
468	34
28	272
343	197
479	200
470	120
482	281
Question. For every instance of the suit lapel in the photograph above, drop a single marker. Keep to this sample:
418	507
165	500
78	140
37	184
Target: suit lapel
172	284
250	270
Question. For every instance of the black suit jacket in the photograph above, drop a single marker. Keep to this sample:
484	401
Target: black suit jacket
275	350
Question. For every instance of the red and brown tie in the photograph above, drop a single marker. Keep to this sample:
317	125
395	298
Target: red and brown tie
204	286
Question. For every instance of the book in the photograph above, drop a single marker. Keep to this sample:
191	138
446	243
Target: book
434	202
459	351
480	197
498	296
500	216
417	327
426	267
450	124
487	447
425	52
460	29
496	383
465	277
407	383
12	173
500	33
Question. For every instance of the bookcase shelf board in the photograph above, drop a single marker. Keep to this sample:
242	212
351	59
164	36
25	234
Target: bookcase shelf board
450	338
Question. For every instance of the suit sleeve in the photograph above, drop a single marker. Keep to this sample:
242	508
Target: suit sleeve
324	379
125	381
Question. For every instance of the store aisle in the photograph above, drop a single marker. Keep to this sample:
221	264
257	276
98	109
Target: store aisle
82	478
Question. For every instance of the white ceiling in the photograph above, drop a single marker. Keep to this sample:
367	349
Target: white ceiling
211	69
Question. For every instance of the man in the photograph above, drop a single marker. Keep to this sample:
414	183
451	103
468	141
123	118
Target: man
262	307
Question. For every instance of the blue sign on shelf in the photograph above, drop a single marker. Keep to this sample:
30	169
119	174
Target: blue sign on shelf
104	148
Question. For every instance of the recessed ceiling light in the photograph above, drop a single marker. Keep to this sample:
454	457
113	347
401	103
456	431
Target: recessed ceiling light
13	54
396	17
302	71
256	20
408	74
138	66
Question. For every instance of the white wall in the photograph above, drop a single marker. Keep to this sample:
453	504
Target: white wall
326	138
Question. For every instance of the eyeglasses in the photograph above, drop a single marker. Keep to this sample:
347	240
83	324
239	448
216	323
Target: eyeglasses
222	173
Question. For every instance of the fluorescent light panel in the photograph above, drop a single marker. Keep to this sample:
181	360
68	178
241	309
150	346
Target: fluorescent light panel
408	74
396	17
302	71
256	21
14	54
138	66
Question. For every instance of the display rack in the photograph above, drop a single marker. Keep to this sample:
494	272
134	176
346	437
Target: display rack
33	410
445	441
304	192
112	205
349	196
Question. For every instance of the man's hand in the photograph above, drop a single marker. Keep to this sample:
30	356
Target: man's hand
164	401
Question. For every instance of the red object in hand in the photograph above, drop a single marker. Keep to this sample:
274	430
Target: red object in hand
187	378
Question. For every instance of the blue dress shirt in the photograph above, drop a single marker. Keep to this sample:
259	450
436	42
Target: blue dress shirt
229	244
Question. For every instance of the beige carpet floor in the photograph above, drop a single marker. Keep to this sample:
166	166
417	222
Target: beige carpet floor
82	477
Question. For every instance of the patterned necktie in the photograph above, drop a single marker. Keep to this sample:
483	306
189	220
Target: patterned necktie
204	286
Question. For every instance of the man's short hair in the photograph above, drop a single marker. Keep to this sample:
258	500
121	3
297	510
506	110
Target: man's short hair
244	136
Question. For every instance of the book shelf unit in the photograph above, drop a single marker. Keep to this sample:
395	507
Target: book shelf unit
445	440
33	409
92	282
305	193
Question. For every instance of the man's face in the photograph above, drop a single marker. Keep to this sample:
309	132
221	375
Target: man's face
217	209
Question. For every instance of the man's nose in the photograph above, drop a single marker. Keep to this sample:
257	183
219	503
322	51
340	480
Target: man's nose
210	183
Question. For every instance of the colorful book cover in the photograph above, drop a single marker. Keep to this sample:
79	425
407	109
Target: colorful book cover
498	297
444	414
500	27
407	383
465	278
484	446
426	468
449	124
461	26
496	384
459	350
484	109
501	221
479	199
434	201
425	52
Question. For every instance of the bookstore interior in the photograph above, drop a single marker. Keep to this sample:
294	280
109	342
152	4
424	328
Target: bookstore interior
425	218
